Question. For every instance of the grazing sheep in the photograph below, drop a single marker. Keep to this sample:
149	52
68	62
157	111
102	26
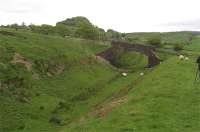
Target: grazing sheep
124	74
67	36
141	74
186	58
181	57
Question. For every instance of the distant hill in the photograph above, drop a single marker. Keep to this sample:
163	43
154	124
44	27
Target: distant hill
74	21
75	27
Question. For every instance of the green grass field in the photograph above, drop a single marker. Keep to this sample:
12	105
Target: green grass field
194	46
168	39
165	101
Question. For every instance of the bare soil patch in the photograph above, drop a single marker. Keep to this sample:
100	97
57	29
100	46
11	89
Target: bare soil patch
17	58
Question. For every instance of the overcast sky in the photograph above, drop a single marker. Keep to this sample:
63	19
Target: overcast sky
121	15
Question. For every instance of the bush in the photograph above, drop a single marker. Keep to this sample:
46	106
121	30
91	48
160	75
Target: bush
37	94
55	120
21	127
178	47
87	31
64	105
41	107
155	41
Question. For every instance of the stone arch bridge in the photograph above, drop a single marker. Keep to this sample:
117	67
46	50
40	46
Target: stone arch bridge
153	60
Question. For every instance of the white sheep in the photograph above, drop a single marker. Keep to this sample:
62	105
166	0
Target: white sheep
141	74
181	57
186	58
124	74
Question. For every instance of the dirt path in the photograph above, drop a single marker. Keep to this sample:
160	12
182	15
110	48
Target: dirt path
116	99
105	109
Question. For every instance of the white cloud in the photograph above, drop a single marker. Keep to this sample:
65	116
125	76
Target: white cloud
122	15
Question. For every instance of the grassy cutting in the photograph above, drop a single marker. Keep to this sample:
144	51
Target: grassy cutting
166	100
48	81
44	98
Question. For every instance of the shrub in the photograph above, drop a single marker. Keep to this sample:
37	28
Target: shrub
41	107
55	120
21	127
178	47
37	94
64	105
155	41
87	31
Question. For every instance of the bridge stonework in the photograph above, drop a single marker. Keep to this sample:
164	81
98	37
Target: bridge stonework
153	60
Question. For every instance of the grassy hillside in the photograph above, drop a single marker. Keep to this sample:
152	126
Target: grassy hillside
166	100
45	80
48	81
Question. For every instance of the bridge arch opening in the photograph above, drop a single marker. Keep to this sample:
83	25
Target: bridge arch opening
108	54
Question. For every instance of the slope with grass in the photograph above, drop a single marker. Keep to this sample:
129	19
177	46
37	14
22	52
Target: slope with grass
47	82
61	75
165	101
